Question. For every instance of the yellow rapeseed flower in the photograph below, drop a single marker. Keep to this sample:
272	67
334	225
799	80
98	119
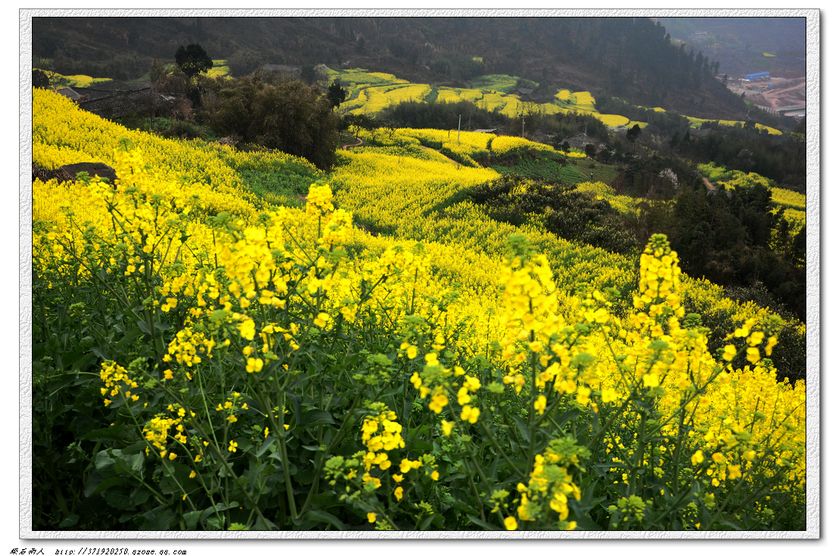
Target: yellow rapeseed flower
540	404
469	413
254	365
438	401
608	395
729	352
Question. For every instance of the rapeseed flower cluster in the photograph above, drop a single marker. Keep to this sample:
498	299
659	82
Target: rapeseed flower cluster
551	485
117	382
380	433
157	433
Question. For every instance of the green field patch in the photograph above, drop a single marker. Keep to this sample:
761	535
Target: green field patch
550	171
360	76
500	82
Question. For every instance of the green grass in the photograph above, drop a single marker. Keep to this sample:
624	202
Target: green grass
545	170
499	82
279	181
552	171
593	170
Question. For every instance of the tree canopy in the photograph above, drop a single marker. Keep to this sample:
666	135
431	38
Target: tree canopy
290	115
193	59
336	94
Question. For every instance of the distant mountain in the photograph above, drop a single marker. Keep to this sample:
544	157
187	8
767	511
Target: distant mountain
745	45
632	58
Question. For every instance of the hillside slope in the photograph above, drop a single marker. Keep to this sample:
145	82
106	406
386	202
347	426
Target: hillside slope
744	45
194	343
626	57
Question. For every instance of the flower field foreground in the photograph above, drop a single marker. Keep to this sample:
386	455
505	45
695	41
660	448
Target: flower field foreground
231	367
401	186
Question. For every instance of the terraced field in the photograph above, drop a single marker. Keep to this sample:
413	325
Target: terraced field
371	92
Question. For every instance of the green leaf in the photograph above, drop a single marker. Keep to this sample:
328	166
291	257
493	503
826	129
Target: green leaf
123	461
116	432
215	523
100	354
315	417
143	326
659	345
523	429
158	519
103	460
425	523
93	487
191	519
267	445
325	517
68	521
480	523
138	497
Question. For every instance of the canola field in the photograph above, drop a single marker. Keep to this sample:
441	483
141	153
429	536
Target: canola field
372	92
253	344
219	69
697	122
78	80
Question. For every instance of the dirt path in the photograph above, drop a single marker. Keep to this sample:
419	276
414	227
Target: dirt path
792	94
358	143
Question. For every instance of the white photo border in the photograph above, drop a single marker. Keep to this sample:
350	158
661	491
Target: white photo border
813	268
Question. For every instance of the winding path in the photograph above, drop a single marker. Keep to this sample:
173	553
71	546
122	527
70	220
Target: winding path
351	145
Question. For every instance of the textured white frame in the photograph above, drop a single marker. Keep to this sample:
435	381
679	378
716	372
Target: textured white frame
813	321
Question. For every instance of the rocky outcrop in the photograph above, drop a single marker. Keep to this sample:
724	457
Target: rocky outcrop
70	172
